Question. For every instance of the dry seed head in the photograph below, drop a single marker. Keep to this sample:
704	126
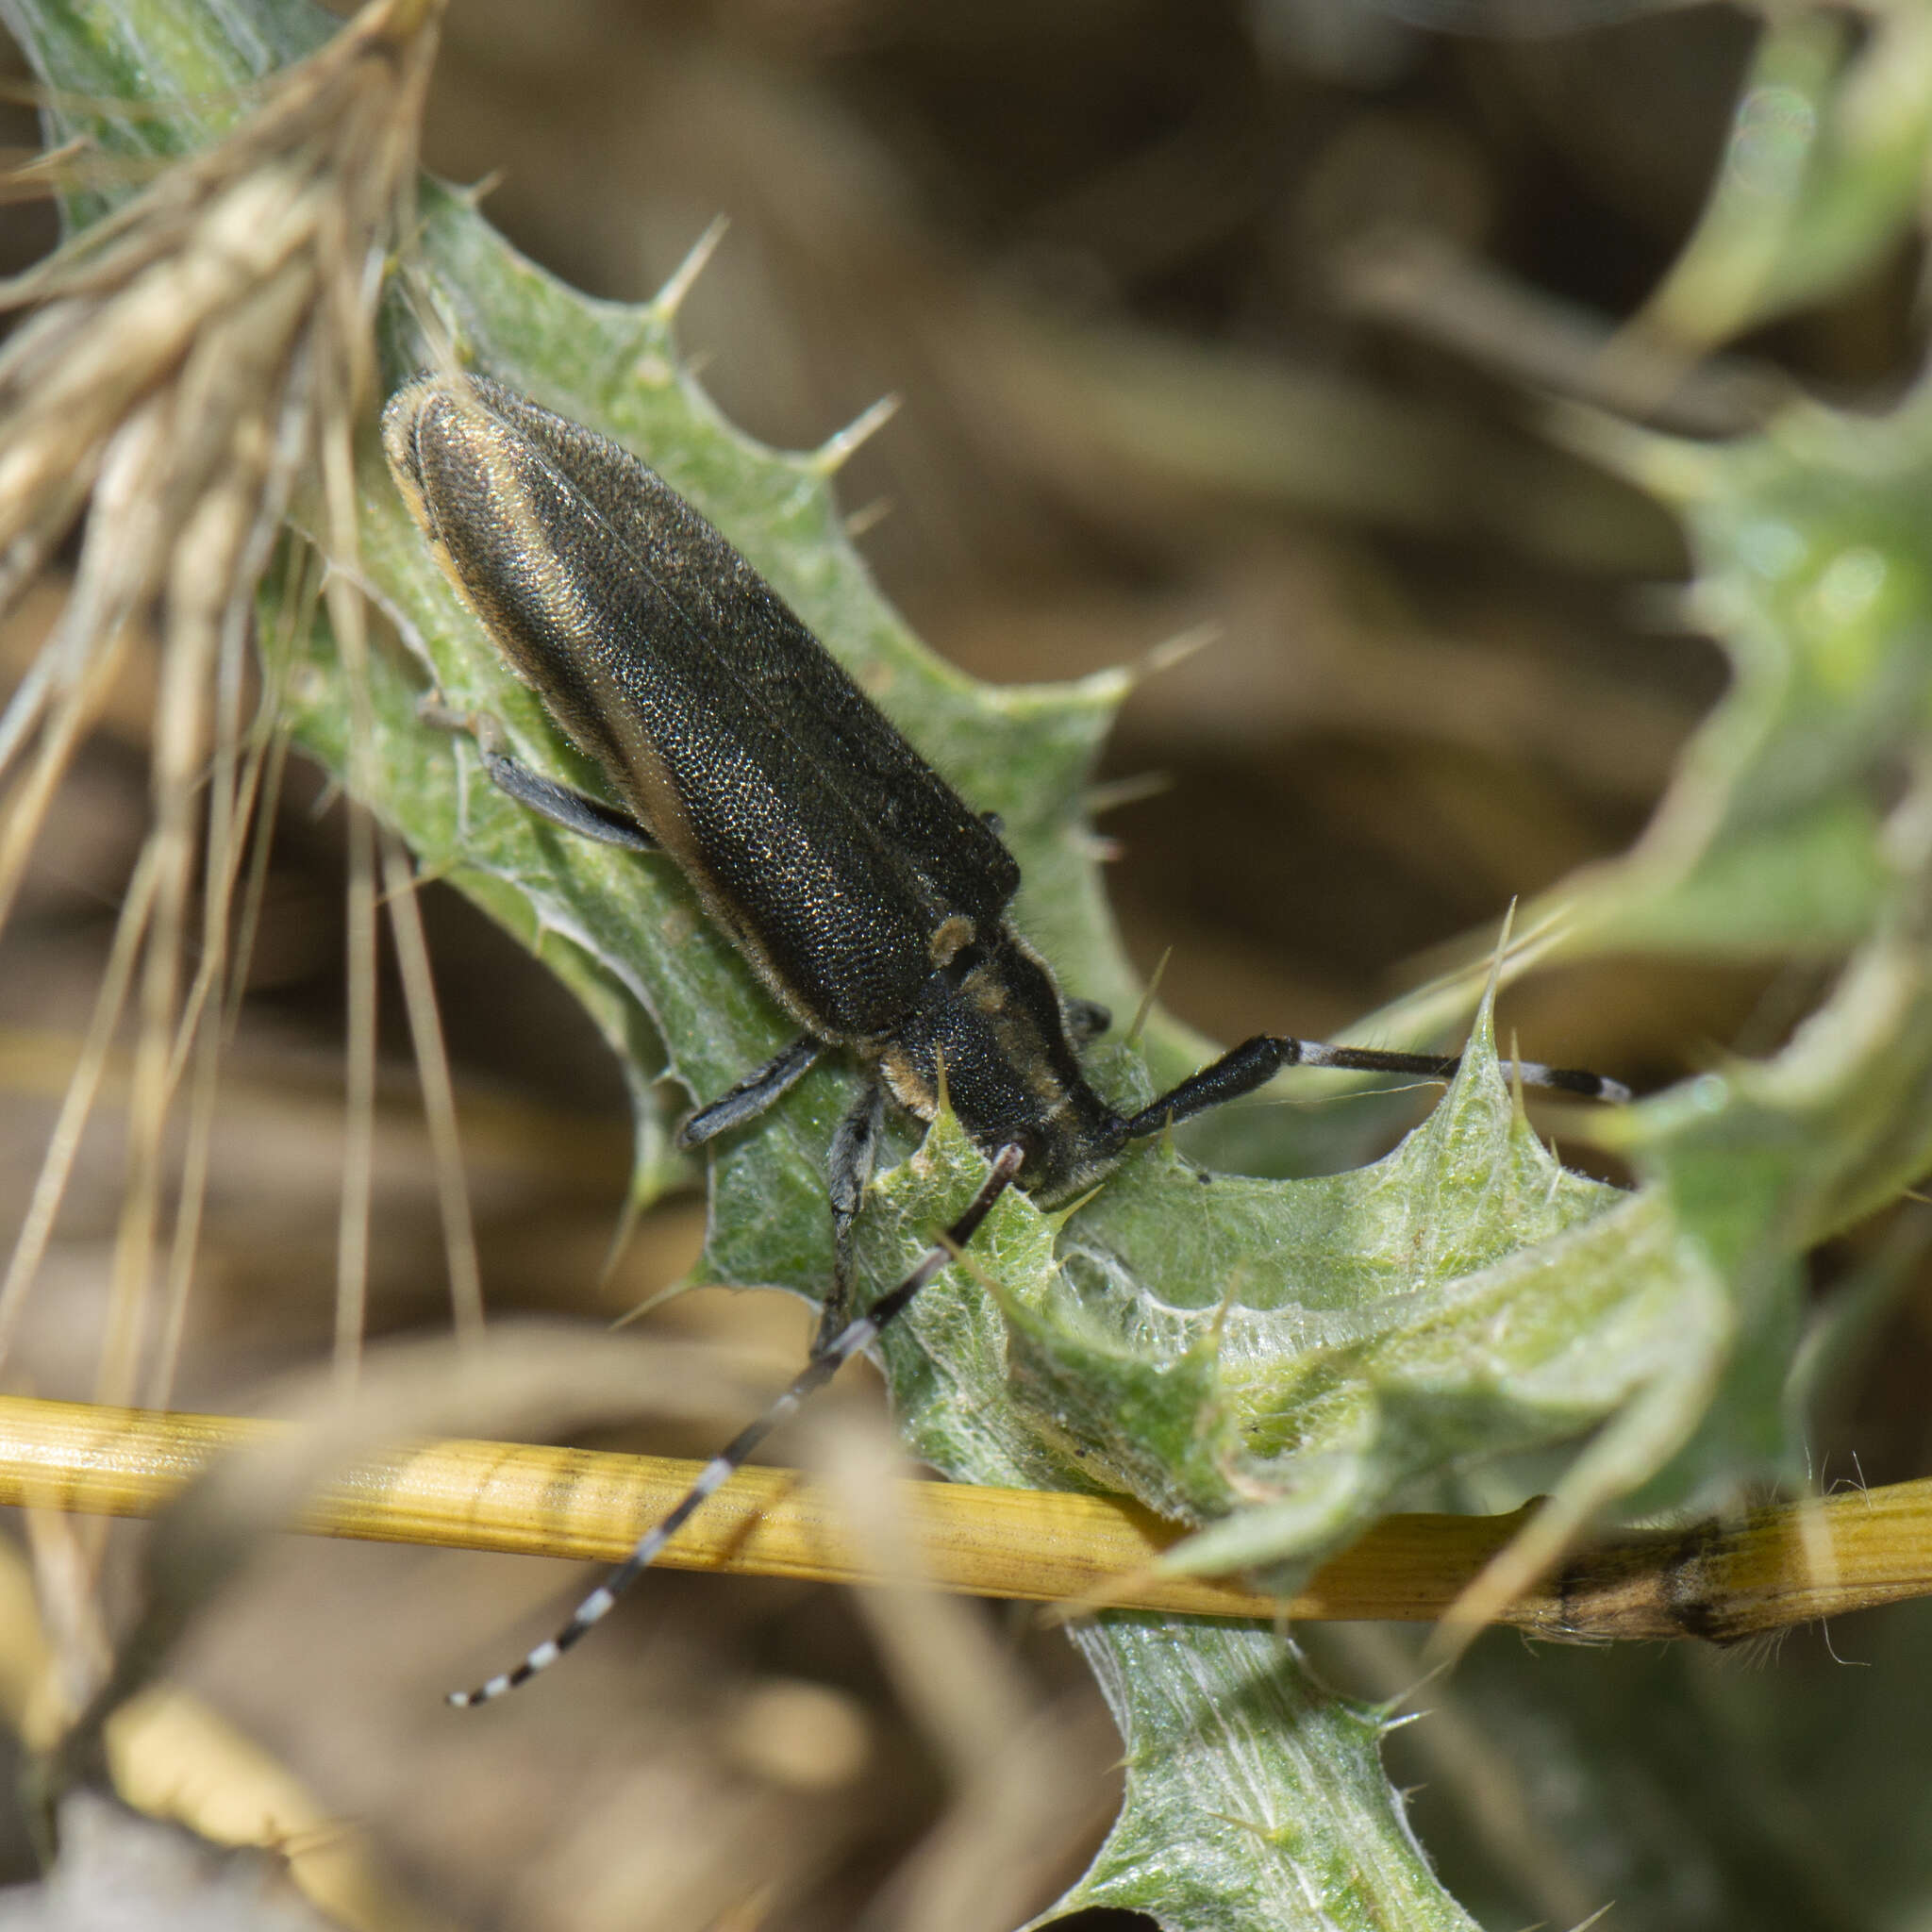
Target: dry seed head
240	286
192	368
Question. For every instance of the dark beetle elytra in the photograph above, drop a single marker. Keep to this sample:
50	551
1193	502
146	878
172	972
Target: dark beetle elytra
866	895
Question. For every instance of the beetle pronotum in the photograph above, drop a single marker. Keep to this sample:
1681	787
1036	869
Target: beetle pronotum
868	897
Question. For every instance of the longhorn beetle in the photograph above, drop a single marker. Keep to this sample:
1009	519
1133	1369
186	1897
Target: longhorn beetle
869	899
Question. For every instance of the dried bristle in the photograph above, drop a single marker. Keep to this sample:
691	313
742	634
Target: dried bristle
192	366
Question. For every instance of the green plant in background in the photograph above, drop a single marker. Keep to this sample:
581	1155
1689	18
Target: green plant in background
1280	1362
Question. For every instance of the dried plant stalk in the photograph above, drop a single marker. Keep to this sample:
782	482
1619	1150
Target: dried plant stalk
1779	1566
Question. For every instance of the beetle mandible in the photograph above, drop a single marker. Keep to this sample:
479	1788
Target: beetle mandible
867	896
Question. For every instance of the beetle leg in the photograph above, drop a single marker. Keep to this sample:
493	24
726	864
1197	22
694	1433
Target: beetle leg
848	1173
753	1094
587	817
562	807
